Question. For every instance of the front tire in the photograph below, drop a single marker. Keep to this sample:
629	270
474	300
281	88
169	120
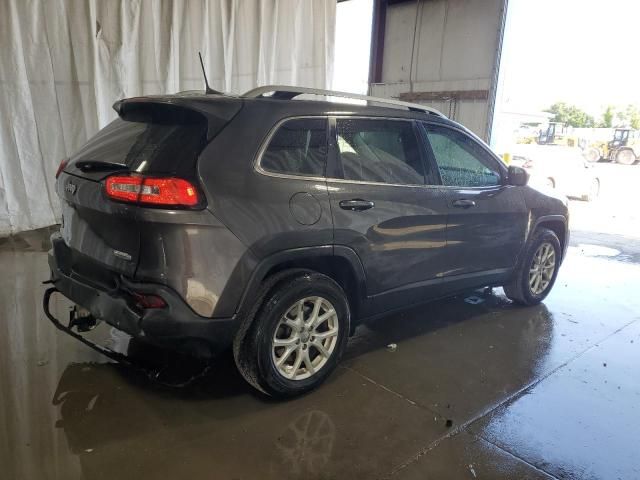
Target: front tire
592	155
538	269
297	335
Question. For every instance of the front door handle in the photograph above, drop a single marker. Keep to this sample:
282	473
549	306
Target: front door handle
464	203
356	205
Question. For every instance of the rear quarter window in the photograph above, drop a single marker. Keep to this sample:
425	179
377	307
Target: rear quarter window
298	147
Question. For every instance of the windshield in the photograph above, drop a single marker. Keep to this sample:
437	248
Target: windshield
621	134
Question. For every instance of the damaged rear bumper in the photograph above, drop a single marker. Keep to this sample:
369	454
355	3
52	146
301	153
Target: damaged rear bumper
175	326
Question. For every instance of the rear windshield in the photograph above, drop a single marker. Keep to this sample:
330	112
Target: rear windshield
148	142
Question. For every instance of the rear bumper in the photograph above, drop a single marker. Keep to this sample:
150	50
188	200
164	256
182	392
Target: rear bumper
176	326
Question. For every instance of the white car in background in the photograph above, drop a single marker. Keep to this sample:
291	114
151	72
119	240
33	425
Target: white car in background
563	169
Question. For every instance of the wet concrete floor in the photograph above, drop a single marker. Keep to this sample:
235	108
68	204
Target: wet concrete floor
476	388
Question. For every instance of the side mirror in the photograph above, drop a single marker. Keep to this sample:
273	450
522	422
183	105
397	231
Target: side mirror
517	176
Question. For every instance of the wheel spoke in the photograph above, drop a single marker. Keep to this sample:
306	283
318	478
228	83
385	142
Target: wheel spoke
308	364
323	318
296	364
536	285
300	312
285	342
328	334
321	350
292	324
551	262
316	310
287	353
550	255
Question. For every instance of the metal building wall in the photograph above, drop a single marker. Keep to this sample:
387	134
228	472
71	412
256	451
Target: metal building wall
443	53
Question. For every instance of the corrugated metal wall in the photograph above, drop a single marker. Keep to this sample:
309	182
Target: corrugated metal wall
444	53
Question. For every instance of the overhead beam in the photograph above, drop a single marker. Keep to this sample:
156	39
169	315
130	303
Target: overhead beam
445	95
378	25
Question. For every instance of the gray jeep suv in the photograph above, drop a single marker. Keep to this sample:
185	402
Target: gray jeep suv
275	225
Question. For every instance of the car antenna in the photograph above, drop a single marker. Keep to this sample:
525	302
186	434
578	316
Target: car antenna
208	89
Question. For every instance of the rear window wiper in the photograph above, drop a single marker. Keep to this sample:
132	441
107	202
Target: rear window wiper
97	165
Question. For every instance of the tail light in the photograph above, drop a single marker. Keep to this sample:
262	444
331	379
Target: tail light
165	191
144	300
61	167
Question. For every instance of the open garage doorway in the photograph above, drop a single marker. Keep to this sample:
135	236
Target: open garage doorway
568	110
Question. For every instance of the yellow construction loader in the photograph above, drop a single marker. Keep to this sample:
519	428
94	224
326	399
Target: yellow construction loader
623	149
557	133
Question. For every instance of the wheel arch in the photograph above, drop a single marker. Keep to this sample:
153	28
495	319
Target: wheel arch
558	225
340	263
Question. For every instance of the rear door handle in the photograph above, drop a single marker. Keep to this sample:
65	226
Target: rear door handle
464	203
356	205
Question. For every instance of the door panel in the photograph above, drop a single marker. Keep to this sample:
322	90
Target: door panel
487	220
487	235
400	240
383	210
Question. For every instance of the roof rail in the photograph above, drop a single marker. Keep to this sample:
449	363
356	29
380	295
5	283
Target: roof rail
287	93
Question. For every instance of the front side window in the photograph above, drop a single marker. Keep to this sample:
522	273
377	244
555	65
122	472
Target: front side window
299	147
379	150
461	161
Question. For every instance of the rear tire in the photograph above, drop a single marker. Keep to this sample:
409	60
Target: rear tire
534	279
625	156
296	336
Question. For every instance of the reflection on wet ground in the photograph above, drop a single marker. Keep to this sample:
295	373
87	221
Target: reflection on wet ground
474	389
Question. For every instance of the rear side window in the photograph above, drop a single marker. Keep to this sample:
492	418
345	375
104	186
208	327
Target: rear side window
149	142
379	150
461	161
299	147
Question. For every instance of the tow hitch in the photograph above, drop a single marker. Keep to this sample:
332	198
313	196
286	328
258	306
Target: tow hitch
82	320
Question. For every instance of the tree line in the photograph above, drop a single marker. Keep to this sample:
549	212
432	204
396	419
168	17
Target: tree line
612	116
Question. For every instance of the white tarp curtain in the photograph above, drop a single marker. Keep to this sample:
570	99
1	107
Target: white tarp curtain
63	63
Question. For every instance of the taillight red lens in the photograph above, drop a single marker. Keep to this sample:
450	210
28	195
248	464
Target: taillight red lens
169	191
63	164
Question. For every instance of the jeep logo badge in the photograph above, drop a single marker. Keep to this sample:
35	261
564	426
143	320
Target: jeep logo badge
70	188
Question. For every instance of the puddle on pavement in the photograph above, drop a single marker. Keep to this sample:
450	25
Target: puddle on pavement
589	250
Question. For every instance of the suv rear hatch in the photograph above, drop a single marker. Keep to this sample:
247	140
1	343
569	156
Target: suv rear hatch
159	137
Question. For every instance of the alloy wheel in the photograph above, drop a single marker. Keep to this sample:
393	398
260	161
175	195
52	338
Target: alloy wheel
542	268
305	338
